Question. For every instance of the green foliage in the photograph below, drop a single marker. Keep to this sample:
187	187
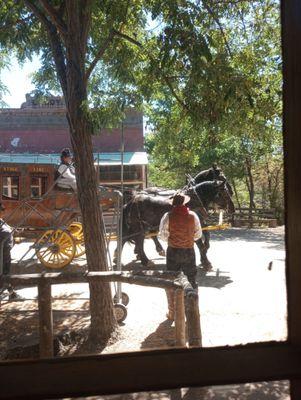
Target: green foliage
207	74
4	62
228	106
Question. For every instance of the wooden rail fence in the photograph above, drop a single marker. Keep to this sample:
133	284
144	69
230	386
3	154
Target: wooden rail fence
187	316
244	216
256	216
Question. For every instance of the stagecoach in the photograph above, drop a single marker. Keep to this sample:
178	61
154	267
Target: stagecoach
37	208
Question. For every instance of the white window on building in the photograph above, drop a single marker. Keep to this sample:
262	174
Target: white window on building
10	187
38	186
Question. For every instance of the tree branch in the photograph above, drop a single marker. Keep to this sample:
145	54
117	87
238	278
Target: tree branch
55	17
106	43
85	7
128	38
164	77
55	43
215	18
37	12
99	54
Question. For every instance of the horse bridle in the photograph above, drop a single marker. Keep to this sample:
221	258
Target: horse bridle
202	207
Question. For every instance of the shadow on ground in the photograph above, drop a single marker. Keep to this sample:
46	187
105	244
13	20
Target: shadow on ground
268	238
218	279
276	390
164	336
71	318
214	279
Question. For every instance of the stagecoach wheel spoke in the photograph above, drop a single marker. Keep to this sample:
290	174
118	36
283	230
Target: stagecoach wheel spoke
60	257
56	249
47	253
51	258
65	245
76	230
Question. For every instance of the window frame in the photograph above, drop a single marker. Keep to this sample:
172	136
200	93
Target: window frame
38	176
3	186
175	368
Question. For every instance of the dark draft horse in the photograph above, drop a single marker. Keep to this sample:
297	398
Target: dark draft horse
210	174
143	213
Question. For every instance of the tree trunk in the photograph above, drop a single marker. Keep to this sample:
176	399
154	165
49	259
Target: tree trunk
101	306
250	185
235	193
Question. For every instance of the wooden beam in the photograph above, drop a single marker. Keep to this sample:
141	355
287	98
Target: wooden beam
148	370
160	280
295	389
193	319
45	319
291	39
180	326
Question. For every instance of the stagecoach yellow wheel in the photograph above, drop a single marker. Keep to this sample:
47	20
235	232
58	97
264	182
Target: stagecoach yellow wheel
55	248
76	230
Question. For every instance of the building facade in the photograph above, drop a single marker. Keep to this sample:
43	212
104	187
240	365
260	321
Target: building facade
32	137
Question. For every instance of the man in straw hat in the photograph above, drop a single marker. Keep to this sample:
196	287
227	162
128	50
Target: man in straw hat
180	228
6	243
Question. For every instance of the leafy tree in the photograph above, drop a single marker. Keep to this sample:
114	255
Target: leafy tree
71	37
4	62
98	54
205	71
228	106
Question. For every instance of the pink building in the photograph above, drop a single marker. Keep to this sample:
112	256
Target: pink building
33	132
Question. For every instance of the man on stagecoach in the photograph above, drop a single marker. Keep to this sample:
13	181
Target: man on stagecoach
66	171
180	228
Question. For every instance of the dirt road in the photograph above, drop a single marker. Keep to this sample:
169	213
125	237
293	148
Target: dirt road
242	300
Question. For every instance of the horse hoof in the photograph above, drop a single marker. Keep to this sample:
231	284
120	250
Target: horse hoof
208	267
150	263
162	253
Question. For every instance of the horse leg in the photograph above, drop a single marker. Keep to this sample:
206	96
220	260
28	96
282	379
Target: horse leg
203	248
159	247
140	250
116	250
136	251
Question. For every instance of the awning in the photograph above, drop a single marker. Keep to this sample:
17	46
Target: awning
129	158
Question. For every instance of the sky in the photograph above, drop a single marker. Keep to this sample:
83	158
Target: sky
18	81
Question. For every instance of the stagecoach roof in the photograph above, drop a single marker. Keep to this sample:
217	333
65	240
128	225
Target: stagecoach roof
129	158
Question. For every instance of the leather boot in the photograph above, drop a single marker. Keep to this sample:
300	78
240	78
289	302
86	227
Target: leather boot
171	304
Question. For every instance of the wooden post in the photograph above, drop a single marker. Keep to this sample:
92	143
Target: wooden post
176	394
193	319
295	389
180	318
45	319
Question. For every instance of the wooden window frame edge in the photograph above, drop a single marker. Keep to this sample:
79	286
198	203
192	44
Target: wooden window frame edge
175	368
149	370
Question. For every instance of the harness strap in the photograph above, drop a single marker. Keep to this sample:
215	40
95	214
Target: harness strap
202	208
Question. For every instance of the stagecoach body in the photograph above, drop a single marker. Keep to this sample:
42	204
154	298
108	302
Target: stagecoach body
28	177
36	208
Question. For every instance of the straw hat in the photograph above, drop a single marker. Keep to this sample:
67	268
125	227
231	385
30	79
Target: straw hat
179	199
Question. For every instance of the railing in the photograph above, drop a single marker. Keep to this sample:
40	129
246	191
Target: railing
186	299
255	216
244	216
